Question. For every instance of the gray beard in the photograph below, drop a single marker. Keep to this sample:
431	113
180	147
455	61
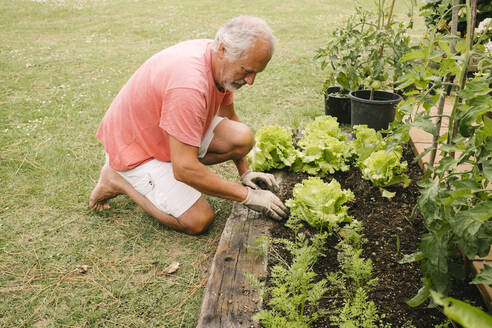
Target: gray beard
235	85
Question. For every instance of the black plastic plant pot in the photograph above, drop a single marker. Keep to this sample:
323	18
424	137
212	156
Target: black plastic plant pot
337	104
377	113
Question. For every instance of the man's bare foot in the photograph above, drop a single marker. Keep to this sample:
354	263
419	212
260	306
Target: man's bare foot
107	187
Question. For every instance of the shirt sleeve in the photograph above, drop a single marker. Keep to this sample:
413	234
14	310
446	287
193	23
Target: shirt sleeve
184	115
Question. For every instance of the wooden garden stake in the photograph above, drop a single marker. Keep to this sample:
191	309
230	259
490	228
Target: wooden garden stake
442	98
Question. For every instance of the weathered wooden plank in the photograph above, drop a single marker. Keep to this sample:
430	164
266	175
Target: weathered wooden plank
229	300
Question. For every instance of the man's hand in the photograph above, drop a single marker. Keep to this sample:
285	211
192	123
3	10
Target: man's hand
266	202
252	179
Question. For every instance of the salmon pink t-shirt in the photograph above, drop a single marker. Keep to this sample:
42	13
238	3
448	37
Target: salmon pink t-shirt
172	93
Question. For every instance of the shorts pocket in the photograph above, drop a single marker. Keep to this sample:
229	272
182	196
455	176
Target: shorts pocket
144	184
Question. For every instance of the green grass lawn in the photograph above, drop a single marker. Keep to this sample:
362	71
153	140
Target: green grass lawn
61	64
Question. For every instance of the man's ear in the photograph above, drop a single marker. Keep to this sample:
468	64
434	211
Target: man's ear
221	52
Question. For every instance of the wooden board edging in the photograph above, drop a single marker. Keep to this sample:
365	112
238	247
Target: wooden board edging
229	300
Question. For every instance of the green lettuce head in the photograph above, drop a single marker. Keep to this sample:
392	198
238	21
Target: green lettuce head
273	149
324	149
320	204
366	142
384	169
324	126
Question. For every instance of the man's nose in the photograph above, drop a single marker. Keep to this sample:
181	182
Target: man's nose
250	78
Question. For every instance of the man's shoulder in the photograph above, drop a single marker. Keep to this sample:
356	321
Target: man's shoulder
185	65
199	44
186	51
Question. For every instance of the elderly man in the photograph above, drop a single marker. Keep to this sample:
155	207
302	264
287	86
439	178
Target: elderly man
174	116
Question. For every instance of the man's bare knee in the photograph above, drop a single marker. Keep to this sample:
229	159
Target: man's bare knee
232	141
197	219
243	141
199	224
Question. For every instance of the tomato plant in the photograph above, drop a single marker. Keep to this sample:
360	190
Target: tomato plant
455	200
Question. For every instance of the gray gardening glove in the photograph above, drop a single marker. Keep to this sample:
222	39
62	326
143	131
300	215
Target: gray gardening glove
253	179
266	202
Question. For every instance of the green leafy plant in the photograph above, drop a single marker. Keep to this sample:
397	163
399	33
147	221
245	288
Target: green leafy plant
465	314
384	168
455	201
351	234
365	50
322	156
319	204
378	158
484	277
323	149
340	57
354	281
324	126
437	14
294	287
273	150
357	271
366	142
358	312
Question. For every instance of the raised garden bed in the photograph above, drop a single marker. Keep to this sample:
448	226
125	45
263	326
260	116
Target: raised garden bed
385	221
391	232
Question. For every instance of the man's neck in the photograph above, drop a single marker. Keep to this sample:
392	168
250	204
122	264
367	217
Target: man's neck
215	62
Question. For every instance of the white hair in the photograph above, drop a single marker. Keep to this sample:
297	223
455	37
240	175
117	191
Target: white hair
238	35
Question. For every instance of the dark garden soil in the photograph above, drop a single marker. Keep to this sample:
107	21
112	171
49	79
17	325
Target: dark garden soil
384	221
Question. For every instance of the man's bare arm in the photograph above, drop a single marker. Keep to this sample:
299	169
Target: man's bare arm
229	112
188	169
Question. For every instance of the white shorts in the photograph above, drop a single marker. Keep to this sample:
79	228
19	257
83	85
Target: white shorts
155	180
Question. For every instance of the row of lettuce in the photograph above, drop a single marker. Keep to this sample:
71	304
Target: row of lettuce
324	149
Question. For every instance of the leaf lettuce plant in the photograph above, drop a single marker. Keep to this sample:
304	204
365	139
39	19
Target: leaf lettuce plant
384	168
274	149
319	204
366	142
323	148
